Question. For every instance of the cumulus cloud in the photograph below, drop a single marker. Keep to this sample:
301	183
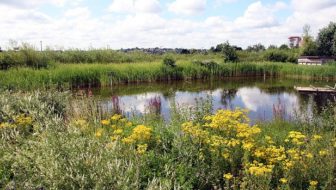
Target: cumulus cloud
258	15
32	3
187	7
134	6
218	2
312	5
142	26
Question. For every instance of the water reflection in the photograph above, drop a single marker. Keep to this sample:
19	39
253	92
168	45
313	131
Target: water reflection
263	99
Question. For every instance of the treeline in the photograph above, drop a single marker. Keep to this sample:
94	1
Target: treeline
28	56
323	45
257	52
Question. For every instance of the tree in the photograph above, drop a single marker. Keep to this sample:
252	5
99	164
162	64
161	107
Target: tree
326	40
257	47
309	46
229	52
284	47
272	46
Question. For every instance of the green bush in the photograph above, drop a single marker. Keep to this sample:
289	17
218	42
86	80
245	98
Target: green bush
230	54
11	59
169	61
280	56
276	56
209	64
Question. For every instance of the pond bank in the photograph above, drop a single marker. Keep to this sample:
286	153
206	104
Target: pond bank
95	75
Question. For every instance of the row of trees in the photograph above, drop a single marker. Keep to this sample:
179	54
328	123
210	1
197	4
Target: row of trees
323	45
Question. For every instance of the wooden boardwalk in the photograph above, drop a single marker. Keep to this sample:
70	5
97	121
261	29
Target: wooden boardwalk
326	89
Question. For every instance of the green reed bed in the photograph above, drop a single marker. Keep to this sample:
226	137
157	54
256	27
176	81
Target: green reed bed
79	75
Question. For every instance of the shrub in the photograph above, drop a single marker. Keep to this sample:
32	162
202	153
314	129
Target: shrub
207	63
169	61
276	56
280	56
33	58
230	54
11	59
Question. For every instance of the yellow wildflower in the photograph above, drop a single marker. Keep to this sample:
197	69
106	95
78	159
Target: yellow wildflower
139	133
259	169
228	176
296	137
23	120
116	117
114	138
123	120
118	132
142	148
313	183
226	155
99	133
309	155
317	137
248	146
283	180
323	152
105	122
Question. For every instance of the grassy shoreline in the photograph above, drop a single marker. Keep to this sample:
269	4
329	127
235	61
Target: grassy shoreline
95	75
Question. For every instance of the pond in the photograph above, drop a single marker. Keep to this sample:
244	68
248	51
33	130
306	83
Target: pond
264	98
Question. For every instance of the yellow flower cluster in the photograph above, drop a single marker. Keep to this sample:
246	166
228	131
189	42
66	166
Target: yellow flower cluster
114	127
223	132
270	154
228	135
296	137
228	176
142	148
283	180
119	129
22	120
313	183
139	133
259	169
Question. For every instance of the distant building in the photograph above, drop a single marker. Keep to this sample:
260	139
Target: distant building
294	41
315	60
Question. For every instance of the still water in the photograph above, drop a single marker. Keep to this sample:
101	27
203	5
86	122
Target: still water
264	98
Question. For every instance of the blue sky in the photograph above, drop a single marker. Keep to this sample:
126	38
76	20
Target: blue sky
63	24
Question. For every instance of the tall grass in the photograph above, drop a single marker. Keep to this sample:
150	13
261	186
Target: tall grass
79	75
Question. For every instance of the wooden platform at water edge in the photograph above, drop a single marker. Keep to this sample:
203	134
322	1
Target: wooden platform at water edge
327	89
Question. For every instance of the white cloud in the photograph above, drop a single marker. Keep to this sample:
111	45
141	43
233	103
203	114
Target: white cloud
142	26
187	7
253	98
31	3
257	16
134	6
312	5
147	6
315	13
78	12
224	1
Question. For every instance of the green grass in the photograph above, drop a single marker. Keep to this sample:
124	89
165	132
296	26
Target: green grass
77	75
